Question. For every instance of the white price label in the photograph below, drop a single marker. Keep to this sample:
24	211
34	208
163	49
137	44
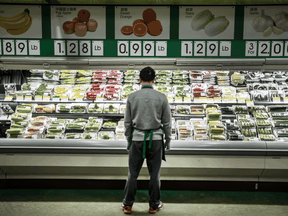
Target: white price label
79	99
135	48
264	48
286	48
64	99
212	48
72	48
0	48
8	47
161	48
59	48
225	48
34	47
97	48
186	48
85	48
21	47
277	48
251	48
199	48
123	48
56	99
148	48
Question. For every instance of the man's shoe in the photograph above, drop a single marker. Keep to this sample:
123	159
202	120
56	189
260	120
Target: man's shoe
153	211
126	209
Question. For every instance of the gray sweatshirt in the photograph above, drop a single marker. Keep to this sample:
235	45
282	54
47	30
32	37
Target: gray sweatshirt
147	109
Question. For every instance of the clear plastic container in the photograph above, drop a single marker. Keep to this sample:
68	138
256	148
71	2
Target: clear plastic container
196	109
106	135
111	108
95	108
182	109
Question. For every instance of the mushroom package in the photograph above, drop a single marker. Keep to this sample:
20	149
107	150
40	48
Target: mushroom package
149	24
80	24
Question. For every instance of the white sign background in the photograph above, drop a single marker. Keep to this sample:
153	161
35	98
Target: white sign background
35	30
186	15
253	11
135	13
97	13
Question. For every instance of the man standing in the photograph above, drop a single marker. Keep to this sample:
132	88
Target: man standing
147	119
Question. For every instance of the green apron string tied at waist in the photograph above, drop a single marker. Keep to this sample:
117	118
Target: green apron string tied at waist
147	134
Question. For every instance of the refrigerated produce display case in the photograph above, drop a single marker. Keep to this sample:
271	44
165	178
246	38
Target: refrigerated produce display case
229	118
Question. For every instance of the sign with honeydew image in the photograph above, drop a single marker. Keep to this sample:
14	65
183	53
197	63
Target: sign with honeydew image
206	22
266	22
142	22
78	22
20	21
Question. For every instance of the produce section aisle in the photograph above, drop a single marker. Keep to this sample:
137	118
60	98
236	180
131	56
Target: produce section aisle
40	202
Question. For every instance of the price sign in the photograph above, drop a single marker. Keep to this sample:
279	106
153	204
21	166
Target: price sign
72	48
250	103
59	48
34	47
161	48
148	48
277	99
286	48
8	47
212	48
286	99
56	99
135	48
8	98
28	98
19	98
199	48
123	48
38	98
277	48
97	48
21	47
264	48
85	48
251	48
186	48
225	48
0	48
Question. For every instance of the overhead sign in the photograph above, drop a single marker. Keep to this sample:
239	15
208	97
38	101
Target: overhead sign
78	22
142	22
206	22
20	21
266	22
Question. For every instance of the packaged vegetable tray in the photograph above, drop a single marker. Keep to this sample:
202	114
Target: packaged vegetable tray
106	135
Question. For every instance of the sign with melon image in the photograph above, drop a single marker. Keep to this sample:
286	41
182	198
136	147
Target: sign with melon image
77	22
20	21
266	22
205	22
142	22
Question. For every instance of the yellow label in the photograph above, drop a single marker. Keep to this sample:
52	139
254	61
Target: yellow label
178	98
8	98
276	98
79	96
64	96
38	97
217	98
229	98
286	98
28	97
202	98
241	98
46	97
187	98
169	98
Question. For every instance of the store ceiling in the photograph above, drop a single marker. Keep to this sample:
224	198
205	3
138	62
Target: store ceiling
150	2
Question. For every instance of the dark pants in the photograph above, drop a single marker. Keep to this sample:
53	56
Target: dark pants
153	160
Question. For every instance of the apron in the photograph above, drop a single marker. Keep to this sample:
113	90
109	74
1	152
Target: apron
147	134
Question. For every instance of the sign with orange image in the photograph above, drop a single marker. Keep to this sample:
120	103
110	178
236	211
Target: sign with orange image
142	22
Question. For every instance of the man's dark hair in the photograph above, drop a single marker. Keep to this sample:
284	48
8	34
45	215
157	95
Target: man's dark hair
147	74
